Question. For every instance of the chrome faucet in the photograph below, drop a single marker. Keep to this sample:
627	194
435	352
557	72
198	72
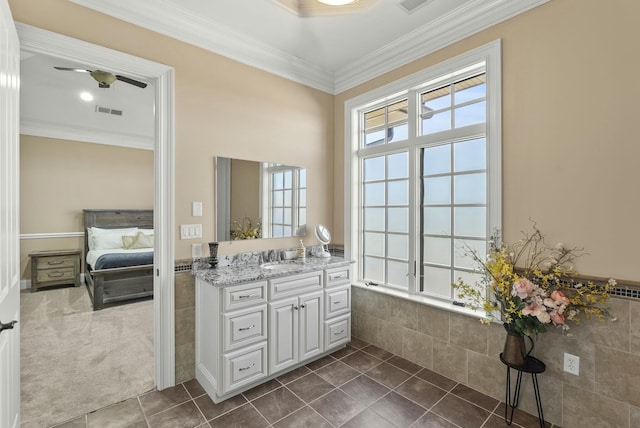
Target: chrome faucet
272	256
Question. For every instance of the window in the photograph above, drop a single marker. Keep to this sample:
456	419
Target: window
423	157
287	199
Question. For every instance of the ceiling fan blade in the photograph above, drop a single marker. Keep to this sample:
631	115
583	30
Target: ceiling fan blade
80	70
131	81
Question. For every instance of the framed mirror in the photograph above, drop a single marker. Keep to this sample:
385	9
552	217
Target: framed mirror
257	200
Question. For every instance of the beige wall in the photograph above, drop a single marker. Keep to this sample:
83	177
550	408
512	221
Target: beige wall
223	108
570	105
59	178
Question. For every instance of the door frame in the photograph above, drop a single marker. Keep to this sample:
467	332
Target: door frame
46	42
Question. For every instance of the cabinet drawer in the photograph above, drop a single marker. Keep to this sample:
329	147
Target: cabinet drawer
295	284
243	367
337	276
244	327
47	275
55	262
337	301
337	332
244	295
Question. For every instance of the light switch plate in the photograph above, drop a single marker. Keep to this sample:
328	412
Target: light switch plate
190	231
196	209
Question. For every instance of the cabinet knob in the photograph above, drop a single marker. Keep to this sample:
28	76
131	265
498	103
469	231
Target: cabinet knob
303	306
295	307
7	326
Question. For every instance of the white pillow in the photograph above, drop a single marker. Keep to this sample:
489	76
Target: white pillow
139	241
146	231
108	239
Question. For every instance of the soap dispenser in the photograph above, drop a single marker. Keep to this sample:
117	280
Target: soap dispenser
302	252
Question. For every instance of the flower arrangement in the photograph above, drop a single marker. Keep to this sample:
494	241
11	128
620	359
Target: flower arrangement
530	287
245	230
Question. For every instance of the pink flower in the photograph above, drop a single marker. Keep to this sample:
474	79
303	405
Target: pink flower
557	318
538	310
522	288
560	298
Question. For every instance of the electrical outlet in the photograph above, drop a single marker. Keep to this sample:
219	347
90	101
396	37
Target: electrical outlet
196	251
572	364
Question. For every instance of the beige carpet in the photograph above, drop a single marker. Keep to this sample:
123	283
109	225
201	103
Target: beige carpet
75	360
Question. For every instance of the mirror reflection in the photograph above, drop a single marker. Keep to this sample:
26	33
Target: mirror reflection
259	199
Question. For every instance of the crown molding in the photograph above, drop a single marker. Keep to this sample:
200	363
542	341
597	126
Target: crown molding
167	18
74	133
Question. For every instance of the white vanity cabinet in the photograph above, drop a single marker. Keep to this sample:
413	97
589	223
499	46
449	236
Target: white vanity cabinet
295	323
249	333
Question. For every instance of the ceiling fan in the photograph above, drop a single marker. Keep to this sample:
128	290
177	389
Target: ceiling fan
104	78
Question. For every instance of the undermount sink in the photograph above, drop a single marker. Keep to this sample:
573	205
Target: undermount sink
279	266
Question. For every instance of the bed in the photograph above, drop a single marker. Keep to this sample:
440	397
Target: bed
116	275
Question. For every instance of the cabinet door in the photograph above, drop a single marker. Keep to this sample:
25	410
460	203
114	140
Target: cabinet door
283	334
311	329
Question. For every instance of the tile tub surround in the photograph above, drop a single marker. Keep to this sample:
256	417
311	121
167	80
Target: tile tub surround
606	393
358	386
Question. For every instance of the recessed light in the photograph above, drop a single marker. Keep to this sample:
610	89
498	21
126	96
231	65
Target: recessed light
337	2
86	96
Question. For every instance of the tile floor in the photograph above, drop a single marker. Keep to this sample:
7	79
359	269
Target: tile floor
359	386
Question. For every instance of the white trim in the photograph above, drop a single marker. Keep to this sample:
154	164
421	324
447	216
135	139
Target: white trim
50	235
168	18
41	41
39	128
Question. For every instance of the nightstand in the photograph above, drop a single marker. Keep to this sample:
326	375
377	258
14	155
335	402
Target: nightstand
55	267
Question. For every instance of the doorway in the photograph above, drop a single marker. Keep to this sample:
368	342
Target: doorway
41	41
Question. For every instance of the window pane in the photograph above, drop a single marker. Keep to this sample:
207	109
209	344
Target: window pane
286	231
287	198
398	246
471	114
437	220
374	269
374	194
437	281
303	177
303	216
374	169
470	89
464	249
397	272
437	99
288	177
278	215
398	111
398	219
374	219
470	155
470	221
374	118
468	278
278	231
277	180
398	133
278	198
303	198
437	190
287	216
436	123
437	250
398	192
470	188
437	160
374	138
398	165
374	244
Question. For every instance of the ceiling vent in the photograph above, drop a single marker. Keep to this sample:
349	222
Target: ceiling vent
411	6
107	110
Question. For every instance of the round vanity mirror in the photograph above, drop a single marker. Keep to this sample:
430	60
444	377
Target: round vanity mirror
323	235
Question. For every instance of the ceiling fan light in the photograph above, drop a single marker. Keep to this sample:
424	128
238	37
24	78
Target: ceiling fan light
337	2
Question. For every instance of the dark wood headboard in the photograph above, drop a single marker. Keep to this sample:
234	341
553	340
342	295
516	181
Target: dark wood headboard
112	219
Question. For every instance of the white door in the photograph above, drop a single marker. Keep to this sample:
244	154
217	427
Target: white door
311	327
9	231
283	334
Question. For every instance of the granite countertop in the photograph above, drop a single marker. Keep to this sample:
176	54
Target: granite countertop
241	273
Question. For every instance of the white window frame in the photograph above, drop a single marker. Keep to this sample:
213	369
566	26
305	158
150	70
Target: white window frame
490	54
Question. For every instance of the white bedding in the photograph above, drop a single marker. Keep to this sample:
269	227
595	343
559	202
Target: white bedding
94	255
